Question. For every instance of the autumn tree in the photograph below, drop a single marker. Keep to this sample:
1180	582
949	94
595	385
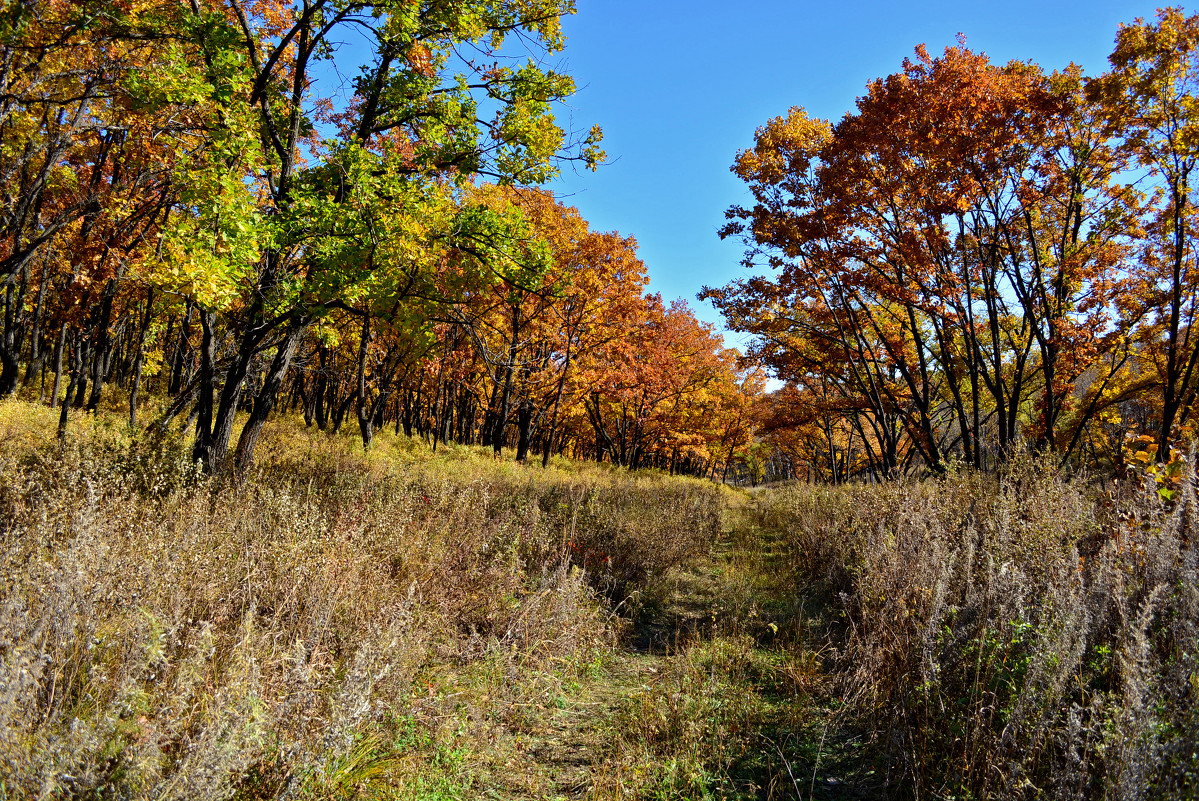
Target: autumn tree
534	323
1148	98
646	392
944	255
86	178
412	130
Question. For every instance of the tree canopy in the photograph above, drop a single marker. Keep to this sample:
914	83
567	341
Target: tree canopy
980	257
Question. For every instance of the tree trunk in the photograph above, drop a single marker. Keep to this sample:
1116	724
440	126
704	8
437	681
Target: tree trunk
549	440
9	354
524	421
407	414
320	411
202	450
137	361
9	351
181	348
76	373
62	338
339	414
81	393
269	395
362	408
235	381
9	373
103	346
37	356
501	415
309	402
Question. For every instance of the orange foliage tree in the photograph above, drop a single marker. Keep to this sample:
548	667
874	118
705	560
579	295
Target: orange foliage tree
1148	99
944	258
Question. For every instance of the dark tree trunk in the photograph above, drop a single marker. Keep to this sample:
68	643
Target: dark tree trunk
81	392
76	374
549	440
501	415
9	354
10	344
269	395
137	361
202	450
62	338
339	413
524	422
307	399
416	407
447	414
407	414
9	372
366	423
103	347
320	411
231	391
182	346
37	355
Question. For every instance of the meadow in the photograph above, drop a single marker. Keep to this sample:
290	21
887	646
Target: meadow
410	624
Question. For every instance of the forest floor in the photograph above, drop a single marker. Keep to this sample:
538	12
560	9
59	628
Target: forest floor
442	626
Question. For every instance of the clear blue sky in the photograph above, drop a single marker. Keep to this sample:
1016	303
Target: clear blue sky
679	87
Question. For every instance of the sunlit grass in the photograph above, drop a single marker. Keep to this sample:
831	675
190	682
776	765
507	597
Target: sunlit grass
167	633
410	623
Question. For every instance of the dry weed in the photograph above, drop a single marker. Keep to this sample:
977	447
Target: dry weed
1017	637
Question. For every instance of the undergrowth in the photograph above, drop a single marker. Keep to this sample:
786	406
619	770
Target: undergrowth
1026	636
406	624
334	625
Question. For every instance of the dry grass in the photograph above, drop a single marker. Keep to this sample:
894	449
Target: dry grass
1023	637
680	733
335	625
403	624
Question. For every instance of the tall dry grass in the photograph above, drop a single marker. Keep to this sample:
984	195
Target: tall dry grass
1022	637
287	634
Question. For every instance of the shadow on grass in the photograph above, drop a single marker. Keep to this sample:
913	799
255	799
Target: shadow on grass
788	736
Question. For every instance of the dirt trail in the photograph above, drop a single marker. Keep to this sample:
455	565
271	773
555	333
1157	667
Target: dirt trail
563	756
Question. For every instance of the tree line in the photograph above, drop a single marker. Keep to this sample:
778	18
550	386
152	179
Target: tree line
980	259
194	201
332	207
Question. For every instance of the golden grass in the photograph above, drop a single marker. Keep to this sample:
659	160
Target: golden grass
322	627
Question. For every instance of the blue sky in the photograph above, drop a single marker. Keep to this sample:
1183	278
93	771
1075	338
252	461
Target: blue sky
679	87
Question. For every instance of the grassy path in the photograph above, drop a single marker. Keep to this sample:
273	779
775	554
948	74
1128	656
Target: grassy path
711	694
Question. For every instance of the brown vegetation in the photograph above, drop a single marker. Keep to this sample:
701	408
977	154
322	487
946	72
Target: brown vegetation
1017	637
303	632
402	624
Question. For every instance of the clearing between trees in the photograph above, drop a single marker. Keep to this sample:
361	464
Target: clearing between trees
406	624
